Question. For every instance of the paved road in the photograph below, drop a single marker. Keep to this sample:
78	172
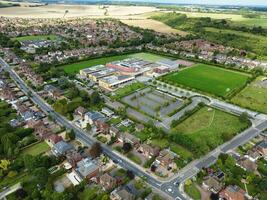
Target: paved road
170	187
84	136
10	190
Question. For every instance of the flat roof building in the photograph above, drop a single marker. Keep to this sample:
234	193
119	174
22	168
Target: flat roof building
95	76
114	81
85	72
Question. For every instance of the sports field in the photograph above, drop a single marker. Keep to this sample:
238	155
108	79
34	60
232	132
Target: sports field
210	79
149	57
254	96
74	68
214	125
36	37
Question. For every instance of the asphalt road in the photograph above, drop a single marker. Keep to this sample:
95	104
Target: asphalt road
169	187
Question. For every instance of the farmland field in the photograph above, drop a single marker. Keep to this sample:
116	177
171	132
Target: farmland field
214	125
36	37
210	79
153	25
253	96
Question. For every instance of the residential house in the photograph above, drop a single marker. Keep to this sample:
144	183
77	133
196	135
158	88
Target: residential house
121	194
102	126
262	148
128	138
107	181
247	164
87	168
114	132
212	184
53	139
92	116
107	112
148	151
80	111
61	148
73	157
35	123
42	132
233	192
139	127
253	155
52	91
165	158
7	94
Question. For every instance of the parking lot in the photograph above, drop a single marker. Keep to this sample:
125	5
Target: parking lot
153	103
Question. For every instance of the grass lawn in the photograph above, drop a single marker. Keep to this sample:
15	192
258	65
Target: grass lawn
150	57
162	143
128	89
210	79
142	135
181	151
74	68
208	128
36	37
36	149
134	158
192	191
253	96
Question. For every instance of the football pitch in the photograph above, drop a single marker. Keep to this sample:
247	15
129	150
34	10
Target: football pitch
210	79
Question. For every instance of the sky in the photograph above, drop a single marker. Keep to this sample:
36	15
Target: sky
213	2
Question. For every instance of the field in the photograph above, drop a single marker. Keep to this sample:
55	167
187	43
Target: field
149	57
255	43
74	68
235	18
36	149
90	11
36	37
128	89
253	96
214	125
210	79
153	25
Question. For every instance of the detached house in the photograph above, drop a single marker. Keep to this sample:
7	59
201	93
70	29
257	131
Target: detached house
233	192
61	148
165	158
92	116
128	138
80	111
262	148
87	169
212	184
148	151
53	139
107	181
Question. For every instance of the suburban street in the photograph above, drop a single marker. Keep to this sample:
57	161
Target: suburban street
171	186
